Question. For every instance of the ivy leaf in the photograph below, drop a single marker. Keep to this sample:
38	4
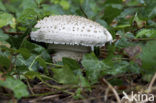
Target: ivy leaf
71	63
148	57
4	43
3	36
28	4
124	41
90	8
65	4
75	67
32	74
39	1
4	61
28	17
7	19
146	33
150	10
135	2
152	13
93	67
110	13
17	86
42	62
64	75
140	23
2	7
25	53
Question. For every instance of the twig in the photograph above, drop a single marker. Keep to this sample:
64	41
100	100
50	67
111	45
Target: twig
135	6
106	94
143	39
11	64
113	90
151	83
49	97
83	11
93	98
43	94
56	87
29	87
13	33
121	75
57	65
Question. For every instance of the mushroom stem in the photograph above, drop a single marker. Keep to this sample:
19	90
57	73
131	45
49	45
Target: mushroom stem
70	51
64	53
92	48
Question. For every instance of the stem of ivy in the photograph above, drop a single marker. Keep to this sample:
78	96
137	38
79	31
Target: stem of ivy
143	39
29	87
30	67
56	87
43	94
57	65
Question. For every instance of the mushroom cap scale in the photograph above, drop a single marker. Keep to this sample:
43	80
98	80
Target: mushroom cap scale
72	30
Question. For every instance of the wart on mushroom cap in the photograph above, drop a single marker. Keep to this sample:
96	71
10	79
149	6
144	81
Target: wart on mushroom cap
71	36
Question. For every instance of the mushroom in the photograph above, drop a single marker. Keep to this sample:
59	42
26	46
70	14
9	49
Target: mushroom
70	36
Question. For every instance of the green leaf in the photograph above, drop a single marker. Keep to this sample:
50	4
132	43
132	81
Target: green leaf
71	70
39	1
135	2
4	61
83	82
78	93
42	62
7	19
55	1
90	8
4	44
65	4
30	46
123	42
148	57
32	74
110	13
28	4
152	13
64	75
36	49
140	23
25	52
120	67
127	12
28	17
73	64
102	22
149	10
146	33
17	86
93	67
53	9
3	36
2	7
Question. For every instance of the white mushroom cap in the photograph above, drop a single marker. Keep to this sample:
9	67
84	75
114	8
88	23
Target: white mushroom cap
72	30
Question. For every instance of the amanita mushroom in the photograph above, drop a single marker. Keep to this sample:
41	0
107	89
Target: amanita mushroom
70	36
